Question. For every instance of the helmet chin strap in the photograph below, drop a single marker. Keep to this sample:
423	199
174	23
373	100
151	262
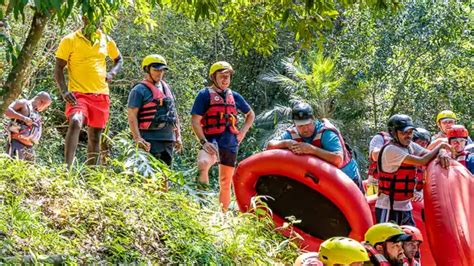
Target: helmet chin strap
149	75
214	82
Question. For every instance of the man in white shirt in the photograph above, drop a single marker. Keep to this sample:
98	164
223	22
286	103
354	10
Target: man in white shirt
397	163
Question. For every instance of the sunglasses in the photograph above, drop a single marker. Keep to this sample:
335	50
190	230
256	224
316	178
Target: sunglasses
457	141
447	121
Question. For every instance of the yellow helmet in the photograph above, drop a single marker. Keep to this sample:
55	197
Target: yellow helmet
446	114
342	250
154	59
221	65
382	232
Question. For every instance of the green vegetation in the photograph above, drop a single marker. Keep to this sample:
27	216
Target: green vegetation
114	214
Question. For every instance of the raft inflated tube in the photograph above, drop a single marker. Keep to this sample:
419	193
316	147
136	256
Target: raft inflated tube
327	202
449	214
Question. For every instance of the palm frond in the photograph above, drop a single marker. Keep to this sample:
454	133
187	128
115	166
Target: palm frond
270	118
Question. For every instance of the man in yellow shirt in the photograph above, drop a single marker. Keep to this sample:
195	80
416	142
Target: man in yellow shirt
87	93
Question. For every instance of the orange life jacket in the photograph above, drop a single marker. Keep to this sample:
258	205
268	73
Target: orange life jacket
27	135
398	185
375	257
158	112
222	114
373	164
326	125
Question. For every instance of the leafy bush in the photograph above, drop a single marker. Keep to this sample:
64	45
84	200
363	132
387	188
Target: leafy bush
117	215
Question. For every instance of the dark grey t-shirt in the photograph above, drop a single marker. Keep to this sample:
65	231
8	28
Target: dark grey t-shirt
140	95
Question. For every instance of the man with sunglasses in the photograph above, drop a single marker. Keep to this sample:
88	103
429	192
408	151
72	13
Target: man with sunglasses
457	138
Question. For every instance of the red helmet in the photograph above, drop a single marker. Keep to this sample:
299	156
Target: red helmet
413	231
457	131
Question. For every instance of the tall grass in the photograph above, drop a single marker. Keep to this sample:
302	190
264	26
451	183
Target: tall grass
118	214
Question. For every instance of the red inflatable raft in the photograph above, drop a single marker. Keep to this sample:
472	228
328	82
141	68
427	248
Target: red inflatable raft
449	213
326	201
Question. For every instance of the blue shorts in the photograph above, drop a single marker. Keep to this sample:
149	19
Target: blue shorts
398	217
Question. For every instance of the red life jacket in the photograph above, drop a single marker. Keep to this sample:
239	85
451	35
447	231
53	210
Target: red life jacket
27	135
420	177
375	257
326	125
222	114
158	112
412	262
398	185
461	158
373	164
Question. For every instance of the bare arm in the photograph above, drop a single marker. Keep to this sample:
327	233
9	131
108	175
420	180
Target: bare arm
118	63
196	124
177	128
17	110
249	118
426	158
280	143
132	115
59	75
61	81
178	145
335	158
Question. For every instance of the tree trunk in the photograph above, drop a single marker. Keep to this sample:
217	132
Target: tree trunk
374	108
13	85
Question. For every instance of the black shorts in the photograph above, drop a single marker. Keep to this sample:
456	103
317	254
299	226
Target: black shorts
227	157
162	150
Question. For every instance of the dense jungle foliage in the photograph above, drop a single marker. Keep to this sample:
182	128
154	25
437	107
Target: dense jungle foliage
364	66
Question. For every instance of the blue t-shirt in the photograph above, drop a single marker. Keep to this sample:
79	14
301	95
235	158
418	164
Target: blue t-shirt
470	163
226	140
330	142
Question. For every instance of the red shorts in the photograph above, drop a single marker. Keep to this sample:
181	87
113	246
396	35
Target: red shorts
94	107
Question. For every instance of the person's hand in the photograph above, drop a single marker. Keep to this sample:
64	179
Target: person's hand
417	196
301	148
109	77
241	136
209	148
178	145
143	144
28	121
445	146
70	98
444	158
